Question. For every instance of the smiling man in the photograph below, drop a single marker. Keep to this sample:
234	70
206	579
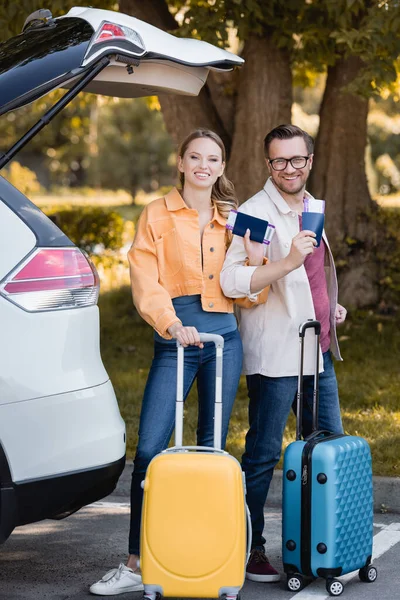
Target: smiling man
303	285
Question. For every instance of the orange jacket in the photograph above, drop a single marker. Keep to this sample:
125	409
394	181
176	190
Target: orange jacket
165	261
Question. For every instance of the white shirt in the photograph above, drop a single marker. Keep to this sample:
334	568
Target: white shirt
270	331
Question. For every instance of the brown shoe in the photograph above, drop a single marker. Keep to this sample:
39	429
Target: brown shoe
260	569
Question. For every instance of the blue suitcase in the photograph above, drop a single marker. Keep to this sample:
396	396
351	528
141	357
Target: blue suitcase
327	511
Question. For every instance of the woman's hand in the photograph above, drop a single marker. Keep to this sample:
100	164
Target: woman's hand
340	314
187	336
254	250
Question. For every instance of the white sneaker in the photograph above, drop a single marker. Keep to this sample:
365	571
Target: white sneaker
118	581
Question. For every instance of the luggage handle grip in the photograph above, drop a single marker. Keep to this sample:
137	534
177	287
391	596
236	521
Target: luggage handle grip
310	324
249	533
316	325
209	449
218	341
318	432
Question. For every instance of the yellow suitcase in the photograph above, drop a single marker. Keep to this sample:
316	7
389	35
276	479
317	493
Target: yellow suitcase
193	537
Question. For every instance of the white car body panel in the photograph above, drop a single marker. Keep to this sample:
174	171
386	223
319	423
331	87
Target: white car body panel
181	68
12	229
183	50
58	352
63	433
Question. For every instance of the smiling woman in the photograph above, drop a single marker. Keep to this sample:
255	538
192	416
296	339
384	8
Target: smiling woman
185	230
175	263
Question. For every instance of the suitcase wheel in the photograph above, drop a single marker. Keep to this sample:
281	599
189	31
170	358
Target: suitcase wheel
295	582
334	587
368	574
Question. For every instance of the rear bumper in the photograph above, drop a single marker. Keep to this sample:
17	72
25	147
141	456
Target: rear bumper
65	433
57	454
54	497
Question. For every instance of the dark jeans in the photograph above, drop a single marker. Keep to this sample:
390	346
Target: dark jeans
271	399
157	417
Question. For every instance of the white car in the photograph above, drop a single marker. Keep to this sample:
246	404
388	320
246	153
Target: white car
62	439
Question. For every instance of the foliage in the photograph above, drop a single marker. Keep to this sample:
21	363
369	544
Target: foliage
63	145
316	32
386	249
105	142
389	171
211	21
367	29
22	178
305	121
133	149
14	12
91	228
112	268
384	130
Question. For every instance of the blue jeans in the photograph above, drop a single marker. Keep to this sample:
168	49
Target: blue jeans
271	399
157	418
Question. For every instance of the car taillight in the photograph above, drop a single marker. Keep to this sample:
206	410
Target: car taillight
52	279
111	31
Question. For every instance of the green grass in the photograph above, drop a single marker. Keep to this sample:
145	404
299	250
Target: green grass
369	379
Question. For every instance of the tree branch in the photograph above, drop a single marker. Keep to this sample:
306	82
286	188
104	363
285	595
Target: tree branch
154	12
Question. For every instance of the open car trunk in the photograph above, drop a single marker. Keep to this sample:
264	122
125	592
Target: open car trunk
143	60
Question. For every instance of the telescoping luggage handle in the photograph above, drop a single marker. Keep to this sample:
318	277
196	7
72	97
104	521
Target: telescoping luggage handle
316	325
218	341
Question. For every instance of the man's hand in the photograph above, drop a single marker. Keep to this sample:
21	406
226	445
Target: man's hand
254	250
303	244
340	314
187	336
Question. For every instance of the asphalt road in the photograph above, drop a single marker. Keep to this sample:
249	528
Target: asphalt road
58	560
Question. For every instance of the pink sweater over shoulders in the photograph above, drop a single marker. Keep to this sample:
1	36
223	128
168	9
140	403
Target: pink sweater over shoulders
315	269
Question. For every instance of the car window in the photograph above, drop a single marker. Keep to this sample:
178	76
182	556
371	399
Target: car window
33	62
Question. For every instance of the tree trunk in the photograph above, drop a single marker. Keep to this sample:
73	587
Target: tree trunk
154	12
264	100
338	173
182	114
339	177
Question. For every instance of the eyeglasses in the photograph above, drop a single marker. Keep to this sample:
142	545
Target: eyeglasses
297	162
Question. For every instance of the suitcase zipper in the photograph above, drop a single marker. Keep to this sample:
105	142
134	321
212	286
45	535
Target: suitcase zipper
306	488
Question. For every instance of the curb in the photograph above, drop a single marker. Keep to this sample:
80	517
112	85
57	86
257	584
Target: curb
386	493
386	490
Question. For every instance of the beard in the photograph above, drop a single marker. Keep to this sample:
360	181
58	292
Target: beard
290	188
